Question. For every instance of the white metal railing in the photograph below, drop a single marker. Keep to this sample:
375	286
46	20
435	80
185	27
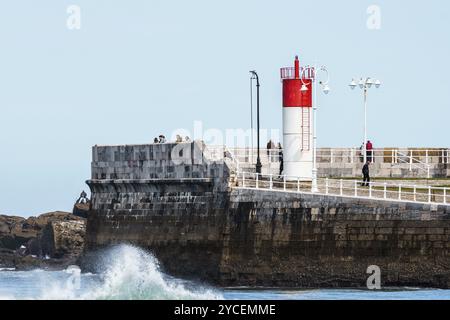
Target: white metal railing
417	157
230	154
343	187
220	153
414	163
213	153
385	155
249	155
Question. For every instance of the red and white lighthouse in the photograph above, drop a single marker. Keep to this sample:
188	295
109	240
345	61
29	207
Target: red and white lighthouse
297	121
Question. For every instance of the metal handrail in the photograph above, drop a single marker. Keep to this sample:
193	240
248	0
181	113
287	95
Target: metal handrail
412	163
289	73
234	159
349	188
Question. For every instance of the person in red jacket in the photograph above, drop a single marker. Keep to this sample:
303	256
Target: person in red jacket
369	150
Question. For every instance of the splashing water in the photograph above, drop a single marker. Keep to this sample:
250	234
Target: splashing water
135	274
129	273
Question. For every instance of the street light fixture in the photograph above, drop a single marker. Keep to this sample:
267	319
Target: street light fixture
304	88
361	83
326	90
365	85
377	84
258	159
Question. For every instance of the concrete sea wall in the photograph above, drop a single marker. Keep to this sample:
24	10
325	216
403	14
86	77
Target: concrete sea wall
312	240
201	227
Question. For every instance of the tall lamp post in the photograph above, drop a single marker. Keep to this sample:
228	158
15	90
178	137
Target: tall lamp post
326	90
258	159
365	84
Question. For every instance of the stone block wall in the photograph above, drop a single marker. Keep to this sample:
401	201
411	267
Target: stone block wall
307	240
156	161
180	222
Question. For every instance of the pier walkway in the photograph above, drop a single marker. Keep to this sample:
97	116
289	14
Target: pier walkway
346	162
347	187
409	190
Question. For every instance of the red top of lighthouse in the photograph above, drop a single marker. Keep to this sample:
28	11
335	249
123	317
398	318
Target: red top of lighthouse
297	68
292	84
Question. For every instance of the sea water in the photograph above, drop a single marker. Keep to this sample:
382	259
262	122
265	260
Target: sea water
131	273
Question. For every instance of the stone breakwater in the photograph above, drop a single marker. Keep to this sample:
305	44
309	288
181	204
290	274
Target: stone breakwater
200	226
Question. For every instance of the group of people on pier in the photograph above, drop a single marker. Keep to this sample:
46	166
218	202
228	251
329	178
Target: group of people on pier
369	151
178	139
275	153
160	139
370	157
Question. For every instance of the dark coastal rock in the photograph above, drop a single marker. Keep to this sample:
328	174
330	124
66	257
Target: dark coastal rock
7	258
52	240
16	231
61	239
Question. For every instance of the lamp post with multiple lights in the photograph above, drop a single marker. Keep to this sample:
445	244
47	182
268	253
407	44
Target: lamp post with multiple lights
326	90
365	84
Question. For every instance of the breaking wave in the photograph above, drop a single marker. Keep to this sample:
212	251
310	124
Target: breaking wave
129	273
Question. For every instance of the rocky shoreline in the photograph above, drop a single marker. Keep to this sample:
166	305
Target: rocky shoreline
50	241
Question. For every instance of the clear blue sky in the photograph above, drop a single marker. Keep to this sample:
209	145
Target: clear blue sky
142	67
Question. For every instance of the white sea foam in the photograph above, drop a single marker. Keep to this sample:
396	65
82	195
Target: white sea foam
7	269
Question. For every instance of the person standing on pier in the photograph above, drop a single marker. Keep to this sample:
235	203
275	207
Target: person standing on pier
369	149
280	157
361	152
162	138
270	148
366	174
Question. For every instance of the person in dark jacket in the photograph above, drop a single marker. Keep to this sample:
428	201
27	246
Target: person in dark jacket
366	174
280	157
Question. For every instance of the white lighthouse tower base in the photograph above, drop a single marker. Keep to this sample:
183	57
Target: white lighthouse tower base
298	160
